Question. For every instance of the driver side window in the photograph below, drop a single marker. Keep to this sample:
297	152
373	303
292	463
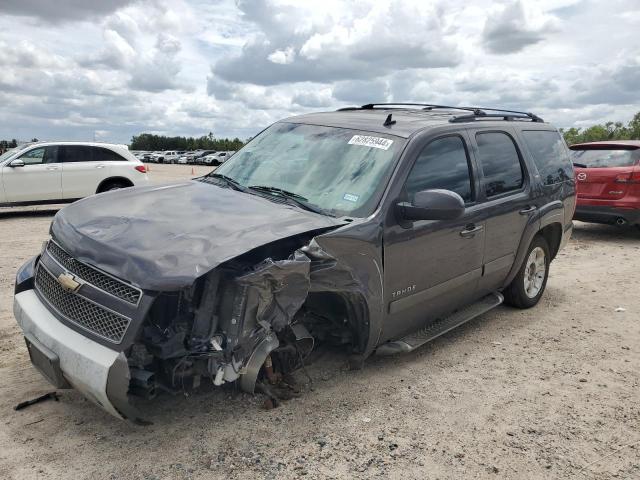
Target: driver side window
442	164
33	157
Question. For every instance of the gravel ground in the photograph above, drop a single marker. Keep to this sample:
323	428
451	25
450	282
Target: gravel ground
551	392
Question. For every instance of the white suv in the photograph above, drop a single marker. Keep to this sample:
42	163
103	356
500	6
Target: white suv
60	172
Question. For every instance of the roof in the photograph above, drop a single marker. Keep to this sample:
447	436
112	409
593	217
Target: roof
625	144
406	120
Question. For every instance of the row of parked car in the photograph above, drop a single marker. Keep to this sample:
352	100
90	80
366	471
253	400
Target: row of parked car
194	157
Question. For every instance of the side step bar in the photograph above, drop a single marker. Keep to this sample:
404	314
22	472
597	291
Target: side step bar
440	327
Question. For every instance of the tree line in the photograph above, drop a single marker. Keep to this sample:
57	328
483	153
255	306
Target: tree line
608	131
149	141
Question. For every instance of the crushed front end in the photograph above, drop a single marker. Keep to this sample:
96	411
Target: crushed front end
242	321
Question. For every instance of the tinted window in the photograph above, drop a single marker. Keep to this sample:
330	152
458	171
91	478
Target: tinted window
600	158
442	164
34	157
77	153
500	163
549	154
105	155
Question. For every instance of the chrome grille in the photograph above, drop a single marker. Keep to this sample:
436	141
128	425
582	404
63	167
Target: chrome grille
96	278
79	310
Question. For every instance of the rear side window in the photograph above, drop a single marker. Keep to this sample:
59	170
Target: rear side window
549	154
84	153
442	164
500	163
77	153
600	158
101	154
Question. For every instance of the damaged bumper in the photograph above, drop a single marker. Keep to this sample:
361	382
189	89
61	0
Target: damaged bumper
96	371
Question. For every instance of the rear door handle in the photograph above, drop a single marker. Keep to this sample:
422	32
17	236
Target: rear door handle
471	230
528	210
100	166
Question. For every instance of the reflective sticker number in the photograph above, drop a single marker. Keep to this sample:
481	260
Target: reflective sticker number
369	141
350	197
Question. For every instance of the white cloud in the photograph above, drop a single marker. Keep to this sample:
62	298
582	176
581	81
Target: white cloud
283	57
512	27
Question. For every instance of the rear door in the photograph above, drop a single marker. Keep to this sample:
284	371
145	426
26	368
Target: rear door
604	173
506	197
82	170
38	180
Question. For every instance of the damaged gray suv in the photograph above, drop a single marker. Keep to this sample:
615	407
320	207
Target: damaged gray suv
374	228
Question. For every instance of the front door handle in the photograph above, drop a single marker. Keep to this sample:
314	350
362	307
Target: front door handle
471	230
527	210
52	167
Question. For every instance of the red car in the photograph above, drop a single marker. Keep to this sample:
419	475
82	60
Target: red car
608	181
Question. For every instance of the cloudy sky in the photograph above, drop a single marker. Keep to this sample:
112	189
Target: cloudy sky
75	69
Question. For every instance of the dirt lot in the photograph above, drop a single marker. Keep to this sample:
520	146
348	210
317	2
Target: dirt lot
552	392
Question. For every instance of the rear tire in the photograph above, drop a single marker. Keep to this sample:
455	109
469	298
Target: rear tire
528	286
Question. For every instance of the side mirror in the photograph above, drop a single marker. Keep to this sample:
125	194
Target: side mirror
16	163
432	205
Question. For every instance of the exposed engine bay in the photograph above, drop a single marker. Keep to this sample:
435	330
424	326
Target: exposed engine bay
248	321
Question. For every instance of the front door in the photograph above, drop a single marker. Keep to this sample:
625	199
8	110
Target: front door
38	180
432	267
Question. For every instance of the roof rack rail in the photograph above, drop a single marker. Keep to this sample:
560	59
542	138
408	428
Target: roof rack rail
508	116
476	112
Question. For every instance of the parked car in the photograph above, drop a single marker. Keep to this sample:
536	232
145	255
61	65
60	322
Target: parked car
60	172
216	158
608	180
207	159
197	159
374	228
222	157
171	156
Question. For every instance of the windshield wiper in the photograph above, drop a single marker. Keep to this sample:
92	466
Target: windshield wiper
579	165
229	181
294	197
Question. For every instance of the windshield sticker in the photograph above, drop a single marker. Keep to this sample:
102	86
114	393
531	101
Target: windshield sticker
368	141
350	197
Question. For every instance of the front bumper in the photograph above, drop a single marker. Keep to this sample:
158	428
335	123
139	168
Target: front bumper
606	215
99	373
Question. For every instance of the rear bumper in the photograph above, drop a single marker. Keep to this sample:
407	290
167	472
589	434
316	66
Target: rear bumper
99	373
607	215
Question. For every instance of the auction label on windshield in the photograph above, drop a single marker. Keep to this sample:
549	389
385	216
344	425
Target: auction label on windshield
369	141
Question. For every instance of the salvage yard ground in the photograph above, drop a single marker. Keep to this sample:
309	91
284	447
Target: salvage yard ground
551	392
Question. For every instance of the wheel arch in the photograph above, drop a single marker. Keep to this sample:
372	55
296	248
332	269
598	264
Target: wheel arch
549	224
552	233
111	180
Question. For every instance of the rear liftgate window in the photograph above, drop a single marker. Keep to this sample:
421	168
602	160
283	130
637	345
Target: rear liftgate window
550	155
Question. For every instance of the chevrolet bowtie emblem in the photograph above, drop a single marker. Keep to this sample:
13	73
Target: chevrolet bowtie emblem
68	282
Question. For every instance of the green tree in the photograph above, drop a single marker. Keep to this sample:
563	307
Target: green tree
608	131
149	141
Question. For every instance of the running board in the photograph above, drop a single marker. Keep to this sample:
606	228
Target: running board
440	327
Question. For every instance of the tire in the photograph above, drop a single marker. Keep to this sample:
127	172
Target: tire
528	286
